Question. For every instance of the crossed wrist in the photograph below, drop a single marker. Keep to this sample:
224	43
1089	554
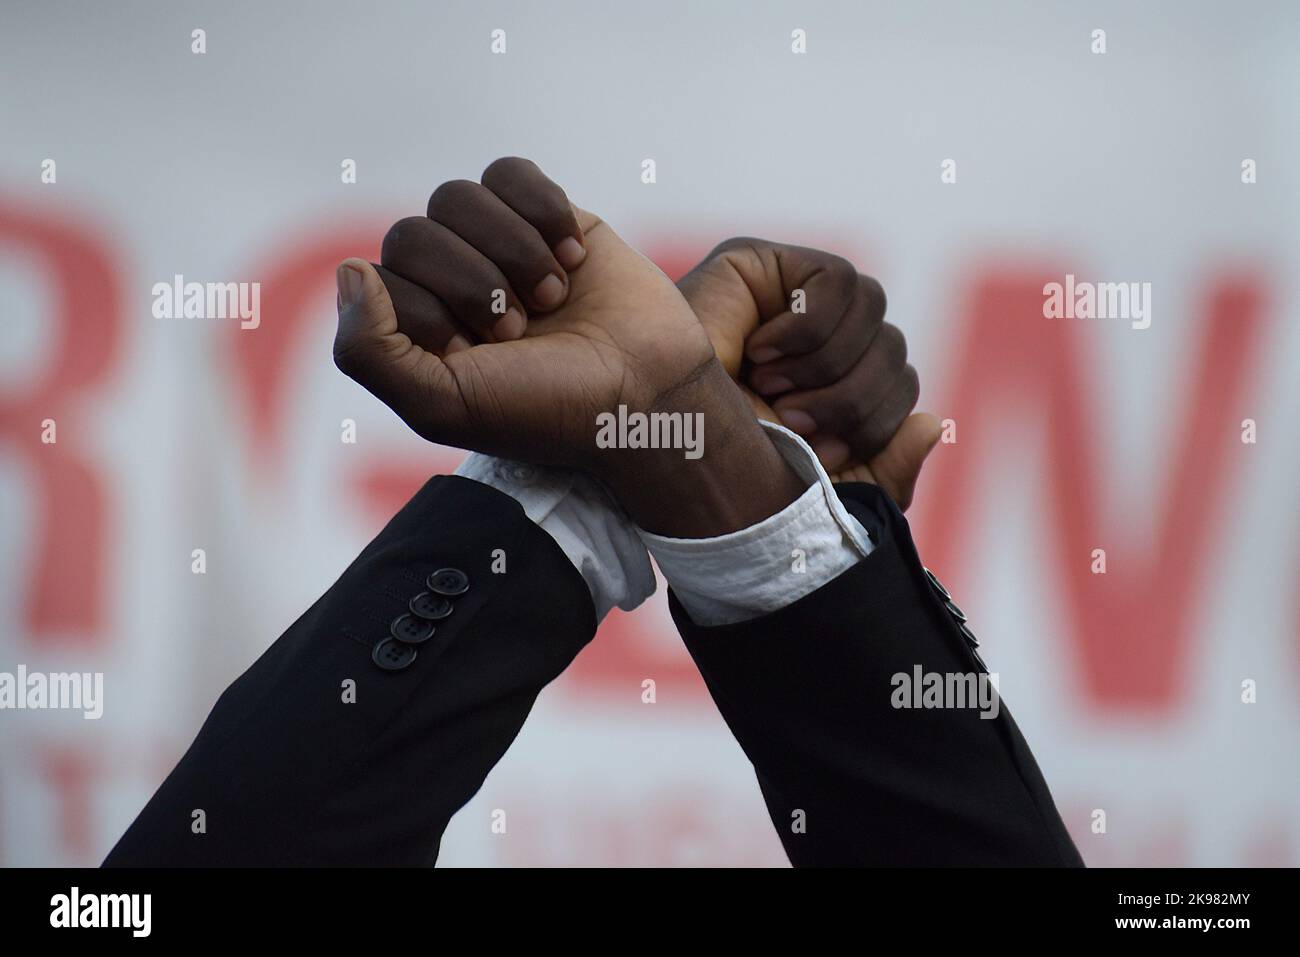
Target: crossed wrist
696	463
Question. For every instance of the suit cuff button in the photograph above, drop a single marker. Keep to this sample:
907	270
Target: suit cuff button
411	630
392	655
449	582
936	584
430	607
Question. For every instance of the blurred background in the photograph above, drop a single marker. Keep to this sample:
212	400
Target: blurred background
1071	435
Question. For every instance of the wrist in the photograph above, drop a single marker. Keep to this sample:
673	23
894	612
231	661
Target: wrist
730	476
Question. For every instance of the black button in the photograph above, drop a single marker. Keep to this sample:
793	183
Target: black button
411	630
430	606
969	636
392	655
937	585
954	610
449	581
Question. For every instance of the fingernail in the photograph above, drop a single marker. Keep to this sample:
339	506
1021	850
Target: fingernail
569	253
549	292
797	420
774	384
765	354
457	343
510	326
350	282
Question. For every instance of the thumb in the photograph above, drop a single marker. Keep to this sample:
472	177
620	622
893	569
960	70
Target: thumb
370	349
898	466
718	292
366	314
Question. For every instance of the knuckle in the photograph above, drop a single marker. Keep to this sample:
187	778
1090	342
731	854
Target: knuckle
860	322
840	267
911	388
504	169
736	243
895	346
400	235
453	194
874	293
843	275
740	252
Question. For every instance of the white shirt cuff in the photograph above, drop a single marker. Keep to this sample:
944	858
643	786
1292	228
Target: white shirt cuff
722	580
760	569
585	522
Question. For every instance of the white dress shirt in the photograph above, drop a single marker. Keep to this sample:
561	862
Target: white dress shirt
721	580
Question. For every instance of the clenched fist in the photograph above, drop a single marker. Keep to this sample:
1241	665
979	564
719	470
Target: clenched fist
507	321
833	369
519	381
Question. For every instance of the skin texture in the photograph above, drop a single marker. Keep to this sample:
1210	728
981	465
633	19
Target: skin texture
506	319
531	388
838	363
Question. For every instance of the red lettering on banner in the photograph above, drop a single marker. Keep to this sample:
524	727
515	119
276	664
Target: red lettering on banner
261	357
64	597
73	771
1130	631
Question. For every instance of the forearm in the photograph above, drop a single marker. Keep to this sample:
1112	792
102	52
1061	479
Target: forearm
851	775
326	751
738	480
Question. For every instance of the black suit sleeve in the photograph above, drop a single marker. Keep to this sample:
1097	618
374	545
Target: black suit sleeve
286	772
849	779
